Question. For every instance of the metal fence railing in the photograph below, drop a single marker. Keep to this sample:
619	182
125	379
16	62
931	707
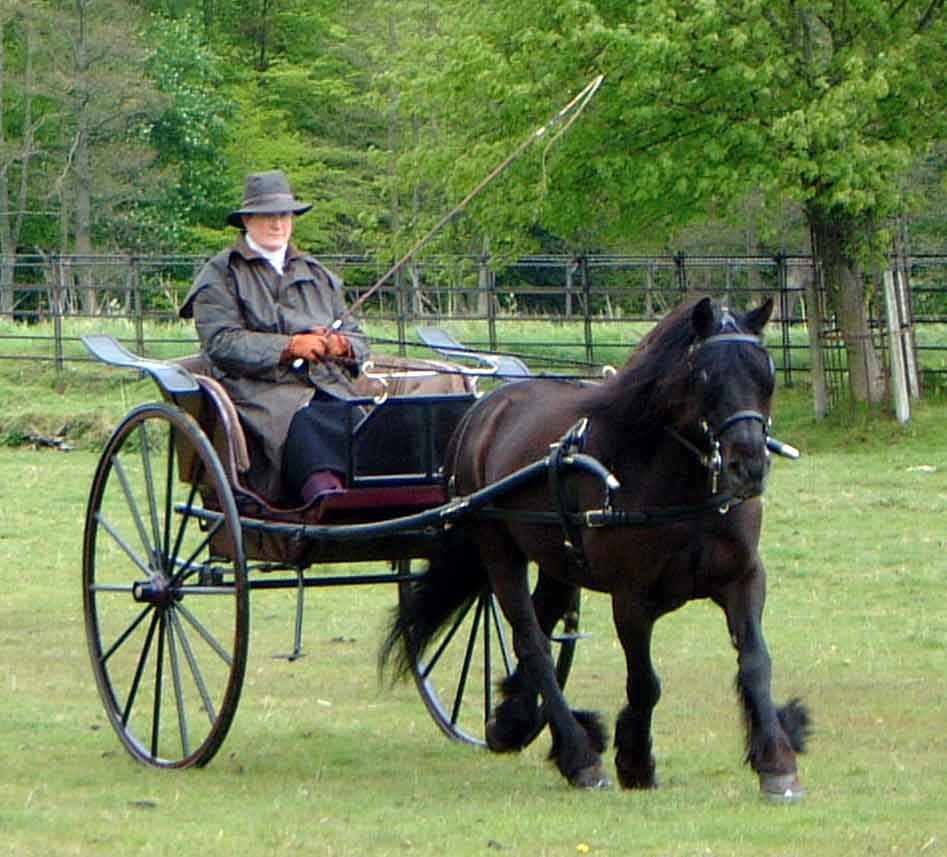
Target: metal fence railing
48	301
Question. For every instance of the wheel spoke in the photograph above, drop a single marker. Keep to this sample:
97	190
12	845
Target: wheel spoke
487	601
458	684
139	670
159	685
195	669
124	545
133	506
207	636
188	563
468	658
125	635
178	689
185	520
443	645
501	635
169	482
149	482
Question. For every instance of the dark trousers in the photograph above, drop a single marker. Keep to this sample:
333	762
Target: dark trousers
318	439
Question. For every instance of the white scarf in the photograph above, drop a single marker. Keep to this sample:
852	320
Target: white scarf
275	257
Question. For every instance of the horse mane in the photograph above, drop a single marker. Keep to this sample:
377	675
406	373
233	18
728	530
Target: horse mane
652	388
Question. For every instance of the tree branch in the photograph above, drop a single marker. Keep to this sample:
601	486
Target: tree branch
932	12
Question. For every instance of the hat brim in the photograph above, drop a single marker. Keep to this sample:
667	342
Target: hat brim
235	218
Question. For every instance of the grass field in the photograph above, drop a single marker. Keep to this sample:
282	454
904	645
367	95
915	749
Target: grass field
323	759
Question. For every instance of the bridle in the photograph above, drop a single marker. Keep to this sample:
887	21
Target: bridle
712	458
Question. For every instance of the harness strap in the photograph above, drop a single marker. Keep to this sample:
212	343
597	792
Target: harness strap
616	517
571	443
741	416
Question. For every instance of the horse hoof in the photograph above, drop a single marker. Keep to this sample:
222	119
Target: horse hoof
781	787
496	742
637	776
591	778
639	783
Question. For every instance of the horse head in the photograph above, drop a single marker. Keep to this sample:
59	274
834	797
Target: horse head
731	377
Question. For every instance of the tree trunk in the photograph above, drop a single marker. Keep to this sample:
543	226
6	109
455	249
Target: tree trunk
14	201
7	247
82	164
833	243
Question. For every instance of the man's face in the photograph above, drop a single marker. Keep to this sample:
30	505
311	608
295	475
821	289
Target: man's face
270	231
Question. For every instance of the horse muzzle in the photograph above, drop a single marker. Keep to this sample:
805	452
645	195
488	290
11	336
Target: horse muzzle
746	471
745	454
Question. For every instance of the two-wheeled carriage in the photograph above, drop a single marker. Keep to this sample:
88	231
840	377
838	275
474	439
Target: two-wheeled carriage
175	542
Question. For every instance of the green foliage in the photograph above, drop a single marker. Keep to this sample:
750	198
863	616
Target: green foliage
703	103
716	122
189	135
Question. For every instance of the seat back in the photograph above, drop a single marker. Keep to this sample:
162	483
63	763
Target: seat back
218	417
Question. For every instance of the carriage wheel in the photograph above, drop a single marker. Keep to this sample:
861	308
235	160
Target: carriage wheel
459	679
165	592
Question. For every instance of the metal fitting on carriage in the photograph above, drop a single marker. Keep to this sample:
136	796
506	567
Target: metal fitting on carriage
607	517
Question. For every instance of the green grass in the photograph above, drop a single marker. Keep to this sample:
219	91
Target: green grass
324	760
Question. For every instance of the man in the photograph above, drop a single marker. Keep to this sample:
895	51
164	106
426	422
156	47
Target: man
264	312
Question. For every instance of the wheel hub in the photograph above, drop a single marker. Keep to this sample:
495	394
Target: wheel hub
156	590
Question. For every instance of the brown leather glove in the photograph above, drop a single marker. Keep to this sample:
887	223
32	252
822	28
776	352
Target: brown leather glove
337	344
307	346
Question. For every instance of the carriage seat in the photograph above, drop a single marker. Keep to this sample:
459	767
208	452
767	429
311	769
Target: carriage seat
186	382
199	366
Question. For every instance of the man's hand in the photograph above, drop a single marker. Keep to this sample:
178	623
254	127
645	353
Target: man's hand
307	346
337	344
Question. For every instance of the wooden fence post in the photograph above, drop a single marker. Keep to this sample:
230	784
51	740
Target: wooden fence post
814	326
900	387
785	321
403	301
59	292
491	288
587	315
138	311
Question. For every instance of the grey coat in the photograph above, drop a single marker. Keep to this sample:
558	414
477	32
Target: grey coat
245	313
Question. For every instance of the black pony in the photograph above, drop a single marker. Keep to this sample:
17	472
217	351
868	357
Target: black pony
683	427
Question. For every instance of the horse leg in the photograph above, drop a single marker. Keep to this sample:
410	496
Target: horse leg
634	761
577	747
518	718
773	735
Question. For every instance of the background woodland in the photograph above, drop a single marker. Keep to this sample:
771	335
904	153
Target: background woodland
738	126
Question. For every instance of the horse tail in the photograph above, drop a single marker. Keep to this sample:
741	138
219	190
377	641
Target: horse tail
454	578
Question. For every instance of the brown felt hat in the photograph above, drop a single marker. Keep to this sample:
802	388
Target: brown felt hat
266	193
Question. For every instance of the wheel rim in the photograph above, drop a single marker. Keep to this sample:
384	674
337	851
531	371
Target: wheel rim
165	594
459	678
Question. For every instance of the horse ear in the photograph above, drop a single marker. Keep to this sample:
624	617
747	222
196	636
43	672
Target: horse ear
705	318
756	319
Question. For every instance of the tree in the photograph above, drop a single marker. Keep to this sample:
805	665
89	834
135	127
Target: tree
706	101
17	141
190	136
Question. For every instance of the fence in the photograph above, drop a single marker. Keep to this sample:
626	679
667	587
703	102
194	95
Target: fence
47	301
